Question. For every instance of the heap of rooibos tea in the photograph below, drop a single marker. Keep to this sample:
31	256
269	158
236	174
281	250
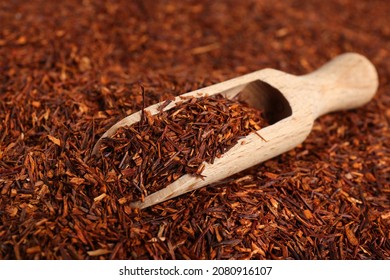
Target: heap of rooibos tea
149	155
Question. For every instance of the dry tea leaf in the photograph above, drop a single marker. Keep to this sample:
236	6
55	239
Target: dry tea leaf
351	236
307	214
77	181
98	252
100	197
271	175
12	210
33	250
54	140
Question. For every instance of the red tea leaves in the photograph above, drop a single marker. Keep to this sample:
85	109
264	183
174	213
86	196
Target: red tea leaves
158	150
65	74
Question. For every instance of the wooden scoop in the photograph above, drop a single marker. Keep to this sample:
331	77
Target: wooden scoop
290	103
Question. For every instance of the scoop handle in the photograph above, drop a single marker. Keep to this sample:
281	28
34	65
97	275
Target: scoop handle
346	82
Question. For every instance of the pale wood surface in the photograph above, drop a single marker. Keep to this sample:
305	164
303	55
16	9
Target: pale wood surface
346	82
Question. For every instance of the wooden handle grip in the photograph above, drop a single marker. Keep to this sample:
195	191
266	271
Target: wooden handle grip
348	81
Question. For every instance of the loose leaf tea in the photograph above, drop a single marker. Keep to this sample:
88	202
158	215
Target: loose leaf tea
149	155
71	69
